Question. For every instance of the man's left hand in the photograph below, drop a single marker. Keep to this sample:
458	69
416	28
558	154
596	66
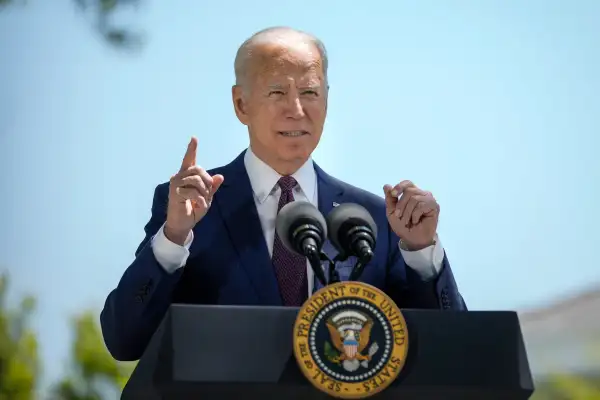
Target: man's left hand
412	214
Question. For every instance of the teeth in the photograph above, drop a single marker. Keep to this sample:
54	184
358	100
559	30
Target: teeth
292	133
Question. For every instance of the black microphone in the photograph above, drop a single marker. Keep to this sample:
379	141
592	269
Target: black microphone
352	232
303	230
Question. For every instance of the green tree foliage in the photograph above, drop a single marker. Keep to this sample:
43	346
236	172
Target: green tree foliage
94	374
19	365
567	387
4	3
102	15
564	386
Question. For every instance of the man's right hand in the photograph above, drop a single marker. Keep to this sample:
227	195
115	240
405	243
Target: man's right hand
191	192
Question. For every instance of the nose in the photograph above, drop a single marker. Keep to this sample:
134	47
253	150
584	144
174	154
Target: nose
294	107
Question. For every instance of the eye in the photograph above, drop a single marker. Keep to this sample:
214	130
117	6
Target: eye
310	92
276	92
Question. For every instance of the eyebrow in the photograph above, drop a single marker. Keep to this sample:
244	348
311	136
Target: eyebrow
310	87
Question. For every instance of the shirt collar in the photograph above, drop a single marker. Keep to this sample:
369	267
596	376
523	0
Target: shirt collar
263	178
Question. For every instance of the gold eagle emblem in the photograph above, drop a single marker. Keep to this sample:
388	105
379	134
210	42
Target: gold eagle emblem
350	334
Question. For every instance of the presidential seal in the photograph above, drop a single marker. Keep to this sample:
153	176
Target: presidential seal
350	340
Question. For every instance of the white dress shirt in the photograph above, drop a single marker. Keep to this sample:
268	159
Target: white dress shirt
263	179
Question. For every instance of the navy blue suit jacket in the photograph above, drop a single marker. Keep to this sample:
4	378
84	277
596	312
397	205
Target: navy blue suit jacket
229	263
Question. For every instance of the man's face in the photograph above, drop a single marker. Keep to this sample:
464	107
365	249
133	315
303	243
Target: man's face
284	104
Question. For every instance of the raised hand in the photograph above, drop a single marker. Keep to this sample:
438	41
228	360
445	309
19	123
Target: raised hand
191	191
412	214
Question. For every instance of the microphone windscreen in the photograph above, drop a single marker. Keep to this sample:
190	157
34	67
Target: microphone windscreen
346	216
295	214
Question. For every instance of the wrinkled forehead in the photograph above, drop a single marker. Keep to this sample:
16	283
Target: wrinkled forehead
299	61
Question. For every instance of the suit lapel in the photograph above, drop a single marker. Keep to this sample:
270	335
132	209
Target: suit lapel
331	192
236	204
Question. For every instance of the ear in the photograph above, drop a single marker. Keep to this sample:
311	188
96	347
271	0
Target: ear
239	104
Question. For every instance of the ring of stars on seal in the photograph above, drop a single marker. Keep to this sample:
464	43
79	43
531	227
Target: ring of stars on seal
350	340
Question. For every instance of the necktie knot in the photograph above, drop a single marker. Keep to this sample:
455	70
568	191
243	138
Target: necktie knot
287	183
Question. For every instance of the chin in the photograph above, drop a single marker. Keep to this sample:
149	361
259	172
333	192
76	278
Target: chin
294	153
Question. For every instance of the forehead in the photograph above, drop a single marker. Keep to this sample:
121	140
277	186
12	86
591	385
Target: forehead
300	60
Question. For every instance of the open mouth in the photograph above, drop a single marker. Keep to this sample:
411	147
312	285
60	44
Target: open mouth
293	133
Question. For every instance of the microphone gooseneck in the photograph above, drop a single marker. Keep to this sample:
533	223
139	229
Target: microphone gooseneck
333	276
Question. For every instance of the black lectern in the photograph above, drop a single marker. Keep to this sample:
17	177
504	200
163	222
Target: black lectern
227	352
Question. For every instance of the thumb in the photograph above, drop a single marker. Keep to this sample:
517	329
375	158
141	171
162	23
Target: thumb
390	201
217	182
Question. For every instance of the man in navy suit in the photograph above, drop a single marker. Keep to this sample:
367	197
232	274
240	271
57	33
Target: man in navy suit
211	237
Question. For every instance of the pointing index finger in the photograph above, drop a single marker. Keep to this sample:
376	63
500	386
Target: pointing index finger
189	160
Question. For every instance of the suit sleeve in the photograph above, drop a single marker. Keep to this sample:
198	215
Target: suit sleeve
135	308
409	289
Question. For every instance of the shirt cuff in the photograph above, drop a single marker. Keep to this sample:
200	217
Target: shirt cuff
169	255
426	262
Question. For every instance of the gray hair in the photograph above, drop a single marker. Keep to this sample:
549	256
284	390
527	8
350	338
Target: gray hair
270	35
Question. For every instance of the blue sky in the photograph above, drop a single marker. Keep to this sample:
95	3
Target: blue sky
493	106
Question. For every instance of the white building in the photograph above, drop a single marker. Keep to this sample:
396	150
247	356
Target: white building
564	336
